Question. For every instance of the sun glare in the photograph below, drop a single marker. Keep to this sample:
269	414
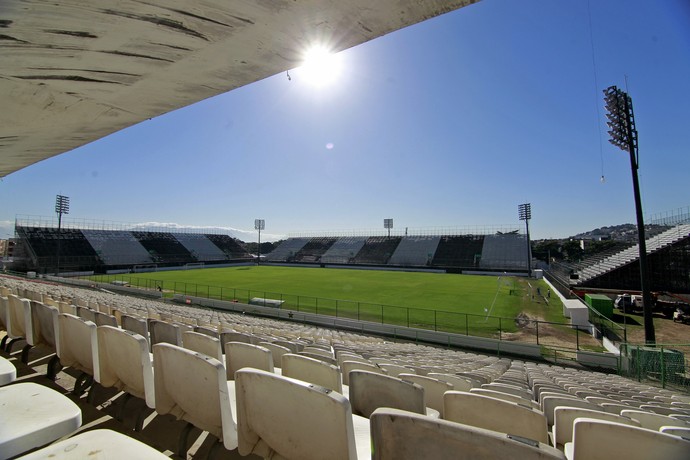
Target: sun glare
321	67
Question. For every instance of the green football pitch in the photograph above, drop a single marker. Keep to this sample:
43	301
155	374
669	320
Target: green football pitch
449	302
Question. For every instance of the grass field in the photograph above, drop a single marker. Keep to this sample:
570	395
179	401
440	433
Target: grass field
449	302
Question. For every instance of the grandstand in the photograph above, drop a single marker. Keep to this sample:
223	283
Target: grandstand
668	259
84	249
501	252
238	384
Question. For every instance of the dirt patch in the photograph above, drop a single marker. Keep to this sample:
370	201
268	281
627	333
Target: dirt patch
532	329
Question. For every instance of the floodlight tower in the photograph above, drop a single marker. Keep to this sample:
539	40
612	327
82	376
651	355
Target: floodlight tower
259	224
624	136
388	224
61	207
525	213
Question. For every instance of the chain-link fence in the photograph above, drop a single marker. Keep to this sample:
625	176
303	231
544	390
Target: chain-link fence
666	365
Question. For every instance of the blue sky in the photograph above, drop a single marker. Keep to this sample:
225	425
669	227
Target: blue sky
449	123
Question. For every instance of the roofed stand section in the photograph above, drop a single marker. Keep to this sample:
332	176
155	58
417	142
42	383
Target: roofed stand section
231	247
117	247
504	252
200	247
75	250
415	251
344	250
314	249
377	250
459	251
287	250
164	248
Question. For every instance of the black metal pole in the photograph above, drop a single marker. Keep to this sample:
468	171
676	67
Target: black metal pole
529	252
649	336
57	270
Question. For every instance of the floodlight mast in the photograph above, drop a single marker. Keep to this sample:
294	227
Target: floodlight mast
61	207
624	136
259	224
525	213
388	224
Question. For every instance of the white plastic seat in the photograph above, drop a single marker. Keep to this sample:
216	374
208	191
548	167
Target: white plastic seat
564	417
653	421
549	404
202	343
163	332
459	383
44	334
32	416
510	389
240	354
396	369
136	325
280	417
86	314
683	432
600	440
104	319
313	371
106	443
277	351
398	434
434	389
369	391
8	373
78	348
192	387
495	414
18	319
347	366
124	362
506	397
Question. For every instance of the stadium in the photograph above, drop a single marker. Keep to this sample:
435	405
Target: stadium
124	340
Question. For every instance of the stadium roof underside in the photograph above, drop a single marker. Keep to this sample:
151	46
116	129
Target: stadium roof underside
72	72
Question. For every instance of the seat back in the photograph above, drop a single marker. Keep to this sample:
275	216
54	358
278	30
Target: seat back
192	387
207	330
18	316
44	322
124	363
313	371
510	389
593	439
319	356
347	366
564	417
653	421
78	344
232	336
676	431
549	403
459	383
495	414
136	325
66	307
277	351
434	389
294	347
369	391
280	417
506	397
239	355
105	319
4	301
399	434
396	369
164	332
202	343
87	314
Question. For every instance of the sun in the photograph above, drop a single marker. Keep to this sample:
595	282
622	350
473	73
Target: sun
321	66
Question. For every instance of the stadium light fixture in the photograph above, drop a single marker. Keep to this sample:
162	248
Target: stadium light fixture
525	213
61	207
624	136
388	224
259	224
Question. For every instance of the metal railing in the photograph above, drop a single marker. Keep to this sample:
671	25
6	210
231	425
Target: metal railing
521	328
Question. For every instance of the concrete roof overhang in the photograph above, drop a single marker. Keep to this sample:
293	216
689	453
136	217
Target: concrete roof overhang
74	71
